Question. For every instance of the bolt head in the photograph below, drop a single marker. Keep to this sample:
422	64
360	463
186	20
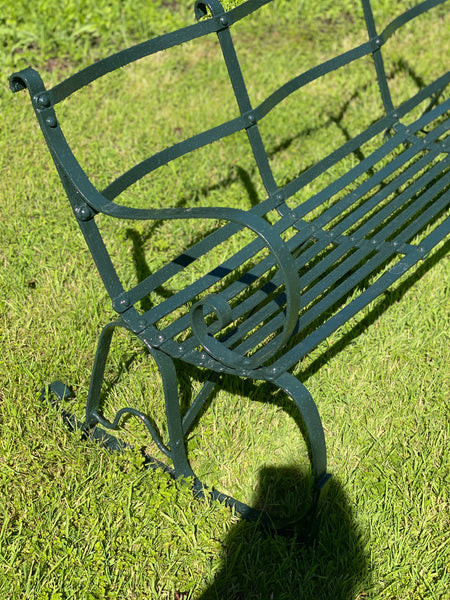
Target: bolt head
84	213
43	101
51	121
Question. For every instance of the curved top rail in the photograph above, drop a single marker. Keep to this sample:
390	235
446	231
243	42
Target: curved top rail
30	78
152	46
200	29
407	16
345	58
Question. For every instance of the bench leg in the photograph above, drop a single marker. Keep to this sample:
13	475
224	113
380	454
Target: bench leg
308	523
98	372
173	413
93	417
177	450
314	430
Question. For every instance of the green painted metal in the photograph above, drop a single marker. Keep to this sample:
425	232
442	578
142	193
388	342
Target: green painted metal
304	280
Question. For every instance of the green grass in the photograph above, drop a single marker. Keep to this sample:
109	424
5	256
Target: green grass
79	523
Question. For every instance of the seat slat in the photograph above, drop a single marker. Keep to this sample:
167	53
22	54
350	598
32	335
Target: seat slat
305	346
371	203
342	269
381	175
344	244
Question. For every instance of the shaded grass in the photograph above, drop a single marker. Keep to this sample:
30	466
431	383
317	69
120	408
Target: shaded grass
79	523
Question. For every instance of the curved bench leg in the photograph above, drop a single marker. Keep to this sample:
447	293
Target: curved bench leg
173	413
176	450
98	372
313	425
318	457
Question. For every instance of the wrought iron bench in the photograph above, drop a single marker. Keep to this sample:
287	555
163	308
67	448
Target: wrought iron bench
309	267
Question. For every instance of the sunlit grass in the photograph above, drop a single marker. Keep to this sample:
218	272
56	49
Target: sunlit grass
77	522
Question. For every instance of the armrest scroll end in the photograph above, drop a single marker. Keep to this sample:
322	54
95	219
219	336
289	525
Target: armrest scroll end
26	79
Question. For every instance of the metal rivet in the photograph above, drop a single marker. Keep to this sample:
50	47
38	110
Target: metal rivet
51	121
142	323
279	196
84	213
378	42
43	101
124	303
224	20
160	338
251	118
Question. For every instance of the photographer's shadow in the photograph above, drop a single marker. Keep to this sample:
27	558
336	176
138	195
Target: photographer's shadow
318	559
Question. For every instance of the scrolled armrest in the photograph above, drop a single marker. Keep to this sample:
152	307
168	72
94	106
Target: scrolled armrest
218	304
271	240
27	79
88	201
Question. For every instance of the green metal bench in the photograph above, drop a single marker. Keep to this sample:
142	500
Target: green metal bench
303	275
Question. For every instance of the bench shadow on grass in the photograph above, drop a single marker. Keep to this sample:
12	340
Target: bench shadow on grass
262	564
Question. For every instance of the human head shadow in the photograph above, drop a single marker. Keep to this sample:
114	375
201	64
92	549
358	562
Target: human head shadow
304	561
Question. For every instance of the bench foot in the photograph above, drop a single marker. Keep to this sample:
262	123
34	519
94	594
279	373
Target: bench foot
56	392
307	523
97	428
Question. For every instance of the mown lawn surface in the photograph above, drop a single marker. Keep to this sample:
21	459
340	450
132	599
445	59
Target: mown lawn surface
77	522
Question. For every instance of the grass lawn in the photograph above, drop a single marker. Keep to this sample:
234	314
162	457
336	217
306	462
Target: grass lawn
79	523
